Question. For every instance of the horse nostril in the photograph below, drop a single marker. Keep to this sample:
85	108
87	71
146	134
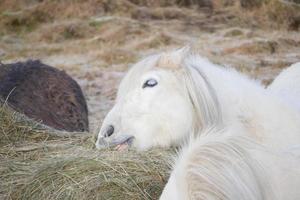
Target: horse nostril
109	131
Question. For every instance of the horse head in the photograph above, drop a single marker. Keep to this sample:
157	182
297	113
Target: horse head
160	102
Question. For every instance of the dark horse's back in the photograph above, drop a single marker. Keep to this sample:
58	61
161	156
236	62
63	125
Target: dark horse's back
44	93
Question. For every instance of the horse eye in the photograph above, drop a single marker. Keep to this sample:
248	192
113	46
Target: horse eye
150	83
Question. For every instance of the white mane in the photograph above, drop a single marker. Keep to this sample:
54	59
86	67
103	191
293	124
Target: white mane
202	96
218	166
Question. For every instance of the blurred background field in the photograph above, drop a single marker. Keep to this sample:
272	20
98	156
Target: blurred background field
96	41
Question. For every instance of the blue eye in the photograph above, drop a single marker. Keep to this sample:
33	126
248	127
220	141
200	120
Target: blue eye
150	83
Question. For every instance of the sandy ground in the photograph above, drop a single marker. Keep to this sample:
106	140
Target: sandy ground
97	50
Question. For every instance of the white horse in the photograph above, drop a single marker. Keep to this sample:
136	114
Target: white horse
287	85
165	98
219	166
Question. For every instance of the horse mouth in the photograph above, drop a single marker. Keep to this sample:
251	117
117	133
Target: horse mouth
125	144
119	143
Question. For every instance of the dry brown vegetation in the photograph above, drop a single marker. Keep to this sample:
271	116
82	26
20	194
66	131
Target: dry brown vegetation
38	164
96	41
16	128
18	15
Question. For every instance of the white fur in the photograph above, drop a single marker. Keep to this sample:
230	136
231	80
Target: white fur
218	166
287	85
192	93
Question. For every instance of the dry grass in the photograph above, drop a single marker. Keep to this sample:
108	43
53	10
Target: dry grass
16	128
62	31
34	165
25	16
270	14
89	175
267	47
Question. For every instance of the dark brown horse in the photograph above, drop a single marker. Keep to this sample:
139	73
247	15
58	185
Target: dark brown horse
45	94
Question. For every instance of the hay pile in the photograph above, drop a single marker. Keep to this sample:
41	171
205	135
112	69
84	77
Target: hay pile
37	165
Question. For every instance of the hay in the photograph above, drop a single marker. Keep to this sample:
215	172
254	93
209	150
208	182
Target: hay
36	165
108	175
16	128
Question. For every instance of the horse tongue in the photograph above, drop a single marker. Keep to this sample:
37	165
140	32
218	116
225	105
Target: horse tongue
122	147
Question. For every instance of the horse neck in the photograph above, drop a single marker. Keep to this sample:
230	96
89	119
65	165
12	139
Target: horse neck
247	104
234	90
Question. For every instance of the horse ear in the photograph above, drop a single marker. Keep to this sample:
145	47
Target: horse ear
174	59
203	99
